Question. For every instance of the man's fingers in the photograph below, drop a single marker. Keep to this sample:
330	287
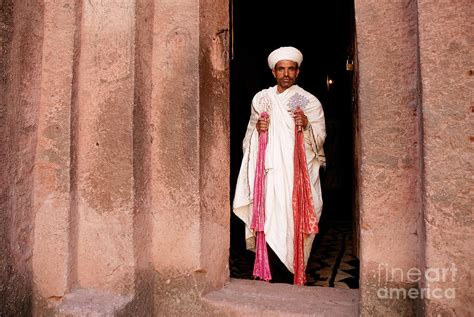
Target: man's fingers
300	119
263	124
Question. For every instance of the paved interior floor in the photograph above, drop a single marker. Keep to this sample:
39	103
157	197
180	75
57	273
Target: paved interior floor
332	262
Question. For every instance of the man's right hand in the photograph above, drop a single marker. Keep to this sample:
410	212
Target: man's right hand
262	124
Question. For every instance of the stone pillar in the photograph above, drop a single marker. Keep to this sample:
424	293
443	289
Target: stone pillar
142	163
189	152
175	163
445	32
52	191
103	146
214	130
175	135
389	194
131	157
21	29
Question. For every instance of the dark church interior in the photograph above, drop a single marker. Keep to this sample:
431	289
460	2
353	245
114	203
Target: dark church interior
324	32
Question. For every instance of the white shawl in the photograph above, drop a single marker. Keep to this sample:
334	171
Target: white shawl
279	168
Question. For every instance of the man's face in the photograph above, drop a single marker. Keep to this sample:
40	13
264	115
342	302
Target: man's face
285	73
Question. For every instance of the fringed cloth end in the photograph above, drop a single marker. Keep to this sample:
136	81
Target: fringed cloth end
261	267
305	221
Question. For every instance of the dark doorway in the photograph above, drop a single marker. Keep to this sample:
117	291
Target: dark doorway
324	32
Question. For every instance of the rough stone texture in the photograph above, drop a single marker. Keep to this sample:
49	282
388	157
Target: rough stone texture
20	60
175	137
104	146
446	58
357	154
112	172
188	105
214	141
174	180
12	297
256	298
52	186
85	302
179	295
388	110
142	140
114	149
188	174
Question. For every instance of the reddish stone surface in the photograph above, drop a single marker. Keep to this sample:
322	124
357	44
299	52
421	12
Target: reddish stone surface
114	142
446	71
83	302
214	127
174	130
142	164
20	59
52	186
257	298
104	144
189	152
388	119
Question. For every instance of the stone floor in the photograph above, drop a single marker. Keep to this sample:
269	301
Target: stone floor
255	298
331	263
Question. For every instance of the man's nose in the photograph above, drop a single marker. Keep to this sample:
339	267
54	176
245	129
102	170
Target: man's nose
285	72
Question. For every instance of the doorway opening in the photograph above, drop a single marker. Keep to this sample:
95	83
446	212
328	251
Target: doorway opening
326	36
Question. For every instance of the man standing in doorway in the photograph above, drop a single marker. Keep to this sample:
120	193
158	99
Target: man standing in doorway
280	102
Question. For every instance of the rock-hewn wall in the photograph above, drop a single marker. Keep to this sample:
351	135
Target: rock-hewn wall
53	273
114	162
6	20
189	172
389	168
415	115
446	59
111	191
20	62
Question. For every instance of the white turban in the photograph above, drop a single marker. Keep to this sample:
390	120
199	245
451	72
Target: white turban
285	53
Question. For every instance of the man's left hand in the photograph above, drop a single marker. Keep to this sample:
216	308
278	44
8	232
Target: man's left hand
301	120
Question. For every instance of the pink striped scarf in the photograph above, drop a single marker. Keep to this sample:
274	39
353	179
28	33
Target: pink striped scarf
261	268
305	221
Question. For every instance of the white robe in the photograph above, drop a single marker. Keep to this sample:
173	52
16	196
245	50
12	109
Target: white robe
279	169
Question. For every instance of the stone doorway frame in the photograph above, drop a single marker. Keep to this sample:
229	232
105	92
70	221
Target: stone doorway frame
352	293
185	45
386	174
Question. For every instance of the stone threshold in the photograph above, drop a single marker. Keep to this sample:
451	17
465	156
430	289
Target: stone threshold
256	298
